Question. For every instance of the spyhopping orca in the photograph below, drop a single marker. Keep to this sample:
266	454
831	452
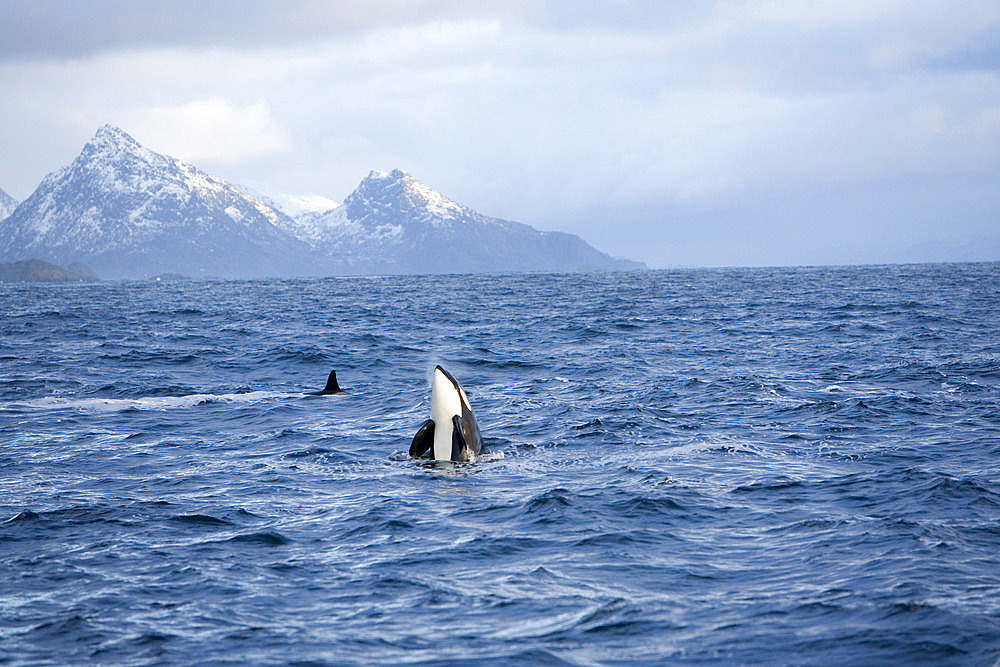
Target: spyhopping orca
331	386
451	434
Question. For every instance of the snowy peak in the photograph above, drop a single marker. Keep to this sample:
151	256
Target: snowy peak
397	192
129	211
114	147
111	138
123	164
393	223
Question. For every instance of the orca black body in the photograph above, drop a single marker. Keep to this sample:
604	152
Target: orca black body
331	387
451	434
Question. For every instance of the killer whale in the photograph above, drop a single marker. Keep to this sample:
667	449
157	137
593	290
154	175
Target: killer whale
331	388
451	434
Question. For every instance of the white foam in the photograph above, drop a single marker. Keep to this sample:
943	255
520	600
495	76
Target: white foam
152	403
733	446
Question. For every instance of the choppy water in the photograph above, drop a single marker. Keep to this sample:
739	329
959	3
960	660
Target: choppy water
784	465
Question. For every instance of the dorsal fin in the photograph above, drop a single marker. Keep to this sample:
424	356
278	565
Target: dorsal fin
332	387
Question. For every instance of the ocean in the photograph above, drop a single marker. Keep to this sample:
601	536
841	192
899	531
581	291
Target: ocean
790	465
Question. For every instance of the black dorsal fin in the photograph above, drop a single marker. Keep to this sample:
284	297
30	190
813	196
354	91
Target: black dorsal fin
331	386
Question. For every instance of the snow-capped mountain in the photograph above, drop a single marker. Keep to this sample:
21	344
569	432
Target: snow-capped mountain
7	204
392	223
126	211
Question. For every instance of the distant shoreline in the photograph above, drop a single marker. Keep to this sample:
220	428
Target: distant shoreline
38	271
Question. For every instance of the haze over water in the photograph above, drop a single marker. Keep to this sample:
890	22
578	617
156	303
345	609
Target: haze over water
754	465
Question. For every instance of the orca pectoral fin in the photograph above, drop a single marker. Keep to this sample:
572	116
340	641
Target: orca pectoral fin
423	440
457	440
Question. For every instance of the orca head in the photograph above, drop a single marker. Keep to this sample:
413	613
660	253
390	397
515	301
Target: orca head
451	434
447	398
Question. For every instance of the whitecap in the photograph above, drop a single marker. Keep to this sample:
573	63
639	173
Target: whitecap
148	403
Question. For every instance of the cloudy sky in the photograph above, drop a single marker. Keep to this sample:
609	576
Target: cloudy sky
743	132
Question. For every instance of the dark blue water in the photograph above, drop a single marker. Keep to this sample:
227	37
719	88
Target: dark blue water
762	465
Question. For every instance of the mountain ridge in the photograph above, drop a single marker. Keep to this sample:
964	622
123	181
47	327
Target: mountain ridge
396	223
128	211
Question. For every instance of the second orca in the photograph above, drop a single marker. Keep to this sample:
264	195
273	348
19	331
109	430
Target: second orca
332	386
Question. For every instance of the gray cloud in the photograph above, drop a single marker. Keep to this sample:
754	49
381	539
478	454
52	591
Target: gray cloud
69	28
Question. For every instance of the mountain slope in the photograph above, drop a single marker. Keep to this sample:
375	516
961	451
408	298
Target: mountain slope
392	223
127	211
7	204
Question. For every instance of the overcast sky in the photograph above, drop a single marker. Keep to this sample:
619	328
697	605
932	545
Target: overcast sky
676	133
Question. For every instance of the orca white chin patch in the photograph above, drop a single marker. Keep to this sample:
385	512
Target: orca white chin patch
446	402
451	434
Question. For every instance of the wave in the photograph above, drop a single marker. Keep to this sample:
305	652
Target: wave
200	520
270	538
